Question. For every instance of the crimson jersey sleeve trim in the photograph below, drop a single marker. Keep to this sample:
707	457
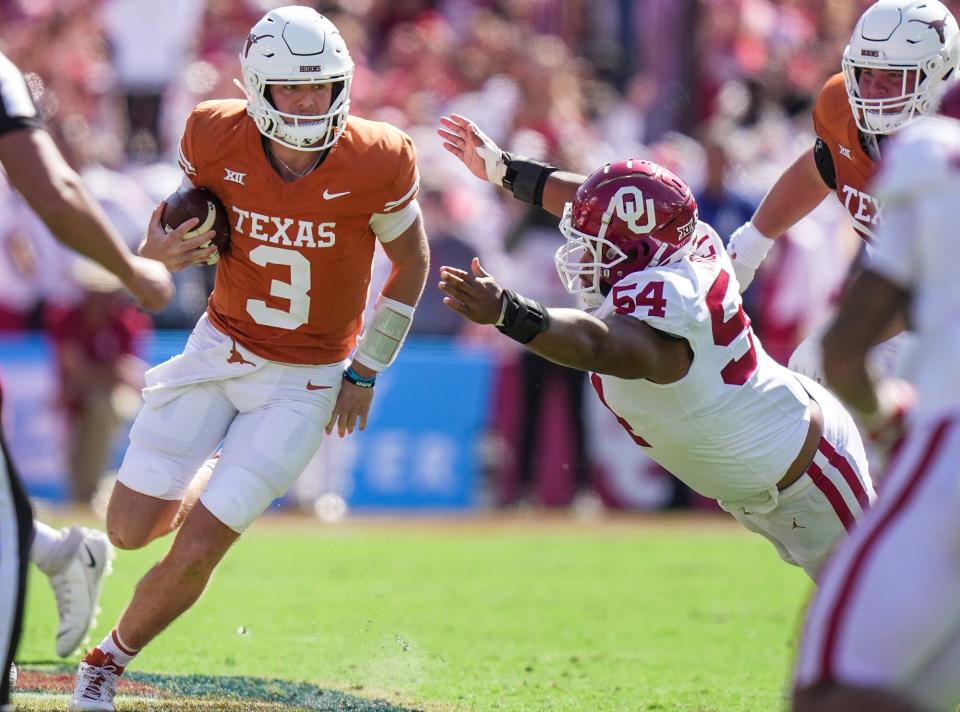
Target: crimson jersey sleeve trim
824	161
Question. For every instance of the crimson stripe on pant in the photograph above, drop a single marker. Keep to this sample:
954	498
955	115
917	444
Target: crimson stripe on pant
866	545
832	494
844	467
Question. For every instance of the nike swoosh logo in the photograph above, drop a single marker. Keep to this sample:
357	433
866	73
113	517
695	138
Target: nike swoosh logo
91	562
312	387
327	195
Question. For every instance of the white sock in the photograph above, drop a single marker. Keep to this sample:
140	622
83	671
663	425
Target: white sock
48	551
122	654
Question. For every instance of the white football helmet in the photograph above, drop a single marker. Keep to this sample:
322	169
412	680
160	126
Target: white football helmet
296	45
917	37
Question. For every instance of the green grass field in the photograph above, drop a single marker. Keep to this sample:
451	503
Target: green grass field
506	615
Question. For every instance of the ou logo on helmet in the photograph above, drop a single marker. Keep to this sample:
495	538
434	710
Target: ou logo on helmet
629	205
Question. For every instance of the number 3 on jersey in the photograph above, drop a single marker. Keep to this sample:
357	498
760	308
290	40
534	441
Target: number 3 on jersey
296	291
726	331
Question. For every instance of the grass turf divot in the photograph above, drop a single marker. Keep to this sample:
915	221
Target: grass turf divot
39	690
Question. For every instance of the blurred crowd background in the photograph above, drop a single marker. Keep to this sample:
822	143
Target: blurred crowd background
720	91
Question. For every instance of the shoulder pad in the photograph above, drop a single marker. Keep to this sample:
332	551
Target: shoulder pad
821	154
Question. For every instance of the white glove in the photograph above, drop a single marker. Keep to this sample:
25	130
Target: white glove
494	160
747	247
807	358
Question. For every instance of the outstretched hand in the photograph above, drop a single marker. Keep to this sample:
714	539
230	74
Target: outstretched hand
475	295
473	147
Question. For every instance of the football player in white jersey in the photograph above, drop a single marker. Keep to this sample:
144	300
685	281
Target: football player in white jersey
883	633
671	351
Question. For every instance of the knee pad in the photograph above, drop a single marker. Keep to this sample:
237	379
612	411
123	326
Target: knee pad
150	475
237	497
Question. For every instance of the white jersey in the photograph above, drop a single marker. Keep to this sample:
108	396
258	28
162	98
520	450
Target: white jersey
901	565
916	249
733	425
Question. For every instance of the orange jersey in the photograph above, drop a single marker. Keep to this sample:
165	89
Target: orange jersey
854	168
293	285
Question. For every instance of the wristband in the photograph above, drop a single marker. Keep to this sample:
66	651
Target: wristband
522	318
351	376
749	246
526	178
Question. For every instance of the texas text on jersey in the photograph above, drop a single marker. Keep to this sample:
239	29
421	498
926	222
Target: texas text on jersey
853	168
292	287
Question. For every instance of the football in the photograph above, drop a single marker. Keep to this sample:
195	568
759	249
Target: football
199	203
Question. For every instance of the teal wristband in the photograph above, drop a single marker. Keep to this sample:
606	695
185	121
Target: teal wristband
356	379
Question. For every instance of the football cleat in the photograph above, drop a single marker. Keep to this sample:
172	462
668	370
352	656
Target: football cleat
96	683
77	587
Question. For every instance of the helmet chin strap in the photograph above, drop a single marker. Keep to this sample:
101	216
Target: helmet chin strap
239	85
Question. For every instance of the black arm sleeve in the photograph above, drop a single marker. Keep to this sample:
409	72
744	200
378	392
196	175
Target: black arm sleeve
526	178
821	155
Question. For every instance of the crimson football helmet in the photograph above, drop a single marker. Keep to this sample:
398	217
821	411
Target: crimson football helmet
625	217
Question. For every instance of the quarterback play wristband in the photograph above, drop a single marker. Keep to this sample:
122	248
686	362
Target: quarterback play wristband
383	337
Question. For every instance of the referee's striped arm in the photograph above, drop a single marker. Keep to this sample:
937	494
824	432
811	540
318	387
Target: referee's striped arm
17	110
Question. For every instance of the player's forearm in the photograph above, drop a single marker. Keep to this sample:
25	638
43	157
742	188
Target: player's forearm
559	190
410	257
574	339
77	221
625	349
871	307
56	193
795	194
847	375
405	283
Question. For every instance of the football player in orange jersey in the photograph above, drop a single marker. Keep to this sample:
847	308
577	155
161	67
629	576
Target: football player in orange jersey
900	55
276	360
